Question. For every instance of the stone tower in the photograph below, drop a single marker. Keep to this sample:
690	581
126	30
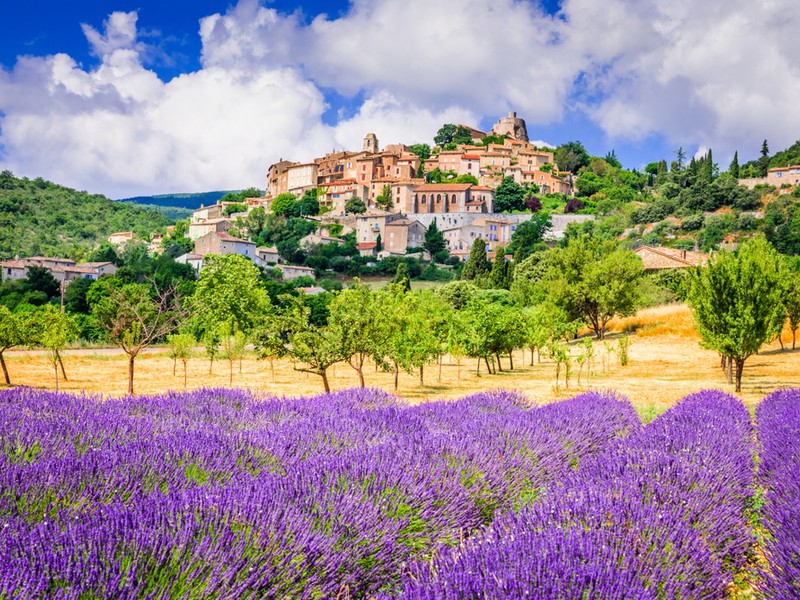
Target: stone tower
371	143
512	126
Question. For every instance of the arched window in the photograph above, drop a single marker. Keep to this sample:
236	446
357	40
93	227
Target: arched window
424	201
438	198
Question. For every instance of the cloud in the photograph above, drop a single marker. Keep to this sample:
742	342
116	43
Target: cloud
718	75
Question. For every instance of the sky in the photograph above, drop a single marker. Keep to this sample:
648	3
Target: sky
137	97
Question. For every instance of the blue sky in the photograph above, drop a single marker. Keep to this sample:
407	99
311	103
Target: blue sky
134	97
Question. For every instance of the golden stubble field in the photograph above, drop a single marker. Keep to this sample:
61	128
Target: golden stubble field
666	363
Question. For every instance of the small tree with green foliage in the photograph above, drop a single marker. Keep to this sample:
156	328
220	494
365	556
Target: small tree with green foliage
402	277
384	199
180	347
509	196
15	330
54	330
434	241
355	206
284	204
737	301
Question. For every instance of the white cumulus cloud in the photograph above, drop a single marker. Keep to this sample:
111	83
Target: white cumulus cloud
719	75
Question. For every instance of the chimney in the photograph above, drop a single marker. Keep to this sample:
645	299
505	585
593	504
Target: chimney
512	115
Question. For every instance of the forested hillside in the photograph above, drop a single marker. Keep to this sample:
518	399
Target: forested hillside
38	217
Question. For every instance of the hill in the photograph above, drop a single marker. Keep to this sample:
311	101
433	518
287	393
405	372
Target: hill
187	201
38	217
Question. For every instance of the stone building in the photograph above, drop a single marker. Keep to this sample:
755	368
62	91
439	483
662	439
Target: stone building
512	126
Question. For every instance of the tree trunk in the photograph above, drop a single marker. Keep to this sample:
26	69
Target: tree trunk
396	375
211	365
324	375
61	364
793	336
532	353
441	358
477	370
174	365
5	369
739	369
488	367
499	366
511	359
421	374
729	370
55	368
131	358
360	371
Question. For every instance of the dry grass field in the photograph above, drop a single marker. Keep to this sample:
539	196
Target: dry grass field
666	363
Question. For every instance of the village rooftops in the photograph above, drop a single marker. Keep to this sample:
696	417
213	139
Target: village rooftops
444	187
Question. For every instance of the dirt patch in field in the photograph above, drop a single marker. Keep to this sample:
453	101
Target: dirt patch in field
664	366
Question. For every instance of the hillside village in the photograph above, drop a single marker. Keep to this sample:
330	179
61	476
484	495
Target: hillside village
384	200
399	204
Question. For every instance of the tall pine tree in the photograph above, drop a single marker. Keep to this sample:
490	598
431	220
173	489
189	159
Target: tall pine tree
763	161
734	168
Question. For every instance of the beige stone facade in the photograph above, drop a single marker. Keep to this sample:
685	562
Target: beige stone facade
222	243
784	175
402	234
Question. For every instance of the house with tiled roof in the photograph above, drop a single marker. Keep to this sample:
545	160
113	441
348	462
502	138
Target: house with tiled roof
223	243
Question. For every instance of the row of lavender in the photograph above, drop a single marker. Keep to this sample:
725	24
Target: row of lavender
778	422
221	494
661	514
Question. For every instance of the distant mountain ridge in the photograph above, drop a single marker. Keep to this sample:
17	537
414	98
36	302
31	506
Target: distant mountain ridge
189	201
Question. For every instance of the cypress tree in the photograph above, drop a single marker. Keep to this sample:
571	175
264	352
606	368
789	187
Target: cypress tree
734	168
763	162
476	264
498	278
403	276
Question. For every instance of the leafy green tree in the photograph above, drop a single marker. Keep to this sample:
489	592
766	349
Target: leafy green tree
233	342
40	279
15	330
309	203
571	157
434	241
593	280
315	347
53	331
737	301
452	134
356	318
465	178
211	340
611	158
477	264
384	199
180	346
268	342
75	296
421	150
791	300
509	196
135	316
528	237
284	204
229	290
458	293
355	206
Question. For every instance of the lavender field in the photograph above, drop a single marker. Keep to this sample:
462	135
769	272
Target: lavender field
223	494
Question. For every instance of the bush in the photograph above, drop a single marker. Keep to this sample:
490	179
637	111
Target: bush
573	206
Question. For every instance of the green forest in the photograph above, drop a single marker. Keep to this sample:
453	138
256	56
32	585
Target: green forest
40	218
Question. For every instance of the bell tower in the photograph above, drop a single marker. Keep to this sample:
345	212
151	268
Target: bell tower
371	143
